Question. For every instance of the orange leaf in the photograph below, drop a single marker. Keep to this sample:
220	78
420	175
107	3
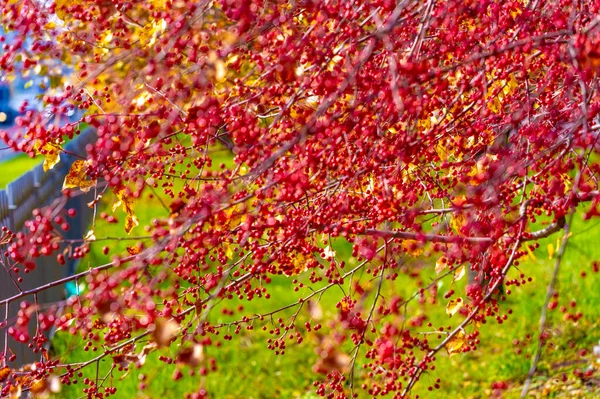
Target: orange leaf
135	250
5	373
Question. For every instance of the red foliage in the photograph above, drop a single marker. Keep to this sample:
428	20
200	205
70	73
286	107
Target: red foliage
412	130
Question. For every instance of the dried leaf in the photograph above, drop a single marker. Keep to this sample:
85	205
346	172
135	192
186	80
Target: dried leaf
76	178
164	331
456	343
454	306
90	236
459	273
126	202
330	358
440	265
134	250
192	355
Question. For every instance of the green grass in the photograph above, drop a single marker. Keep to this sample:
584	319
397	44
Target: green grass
247	369
15	167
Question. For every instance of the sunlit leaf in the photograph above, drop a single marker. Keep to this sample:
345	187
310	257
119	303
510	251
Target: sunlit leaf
127	203
412	247
440	265
51	153
5	373
76	178
90	236
457	222
134	250
328	252
61	8
454	306
228	251
456	344
459	273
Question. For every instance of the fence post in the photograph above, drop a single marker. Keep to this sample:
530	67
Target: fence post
32	190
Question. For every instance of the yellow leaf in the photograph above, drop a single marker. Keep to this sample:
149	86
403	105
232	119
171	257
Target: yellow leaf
476	323
76	178
148	34
299	263
454	306
126	203
412	247
158	4
228	252
441	150
456	343
458	273
131	221
457	222
440	265
61	7
51	153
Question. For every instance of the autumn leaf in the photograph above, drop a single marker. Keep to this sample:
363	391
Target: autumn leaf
228	251
76	178
297	264
164	331
126	202
90	236
14	392
412	247
134	250
51	152
440	265
328	252
454	306
456	343
457	222
191	356
5	373
458	273
550	251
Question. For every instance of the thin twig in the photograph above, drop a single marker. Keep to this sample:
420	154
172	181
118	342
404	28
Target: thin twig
543	317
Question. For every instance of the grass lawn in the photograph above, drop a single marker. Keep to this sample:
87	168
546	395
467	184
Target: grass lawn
247	369
15	167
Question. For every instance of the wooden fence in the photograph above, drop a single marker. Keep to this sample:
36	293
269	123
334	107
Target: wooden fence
32	190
